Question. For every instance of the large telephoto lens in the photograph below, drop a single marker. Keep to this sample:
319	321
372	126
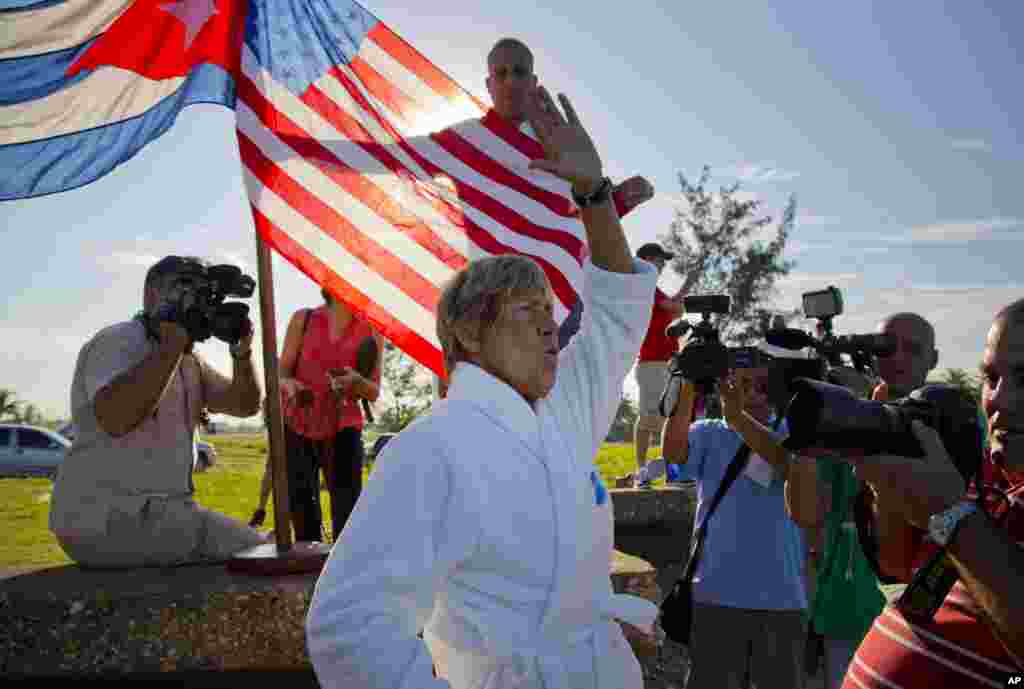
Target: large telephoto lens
827	416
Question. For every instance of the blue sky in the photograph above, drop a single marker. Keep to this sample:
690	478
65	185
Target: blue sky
896	124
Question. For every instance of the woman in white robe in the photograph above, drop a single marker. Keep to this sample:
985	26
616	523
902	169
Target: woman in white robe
485	525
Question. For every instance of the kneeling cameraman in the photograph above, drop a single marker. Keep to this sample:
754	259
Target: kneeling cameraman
124	495
748	590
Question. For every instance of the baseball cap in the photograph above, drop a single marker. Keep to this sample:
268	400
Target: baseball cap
653	250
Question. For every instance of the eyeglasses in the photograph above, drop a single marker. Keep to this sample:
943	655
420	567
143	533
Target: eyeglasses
911	347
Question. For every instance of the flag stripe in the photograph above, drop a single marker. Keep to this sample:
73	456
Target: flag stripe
460	148
404	232
403	53
422	97
50	165
355	240
526	145
335	255
383	319
37	76
348	96
437	234
56	27
496	144
397	102
107	96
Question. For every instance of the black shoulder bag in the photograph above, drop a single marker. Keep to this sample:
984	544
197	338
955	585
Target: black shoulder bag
676	611
675	614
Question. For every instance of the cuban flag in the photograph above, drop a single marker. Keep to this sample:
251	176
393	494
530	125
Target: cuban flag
85	84
354	169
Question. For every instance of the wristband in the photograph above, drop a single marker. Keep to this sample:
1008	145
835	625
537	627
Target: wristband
599	195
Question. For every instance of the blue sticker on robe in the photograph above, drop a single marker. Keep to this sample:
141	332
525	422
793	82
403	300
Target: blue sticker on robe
600	492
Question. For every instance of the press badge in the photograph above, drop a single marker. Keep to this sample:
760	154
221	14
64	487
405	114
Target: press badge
600	492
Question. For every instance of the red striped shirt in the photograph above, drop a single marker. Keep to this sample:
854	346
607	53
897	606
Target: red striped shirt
957	648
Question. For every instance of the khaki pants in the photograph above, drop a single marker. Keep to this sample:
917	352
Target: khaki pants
720	639
165	532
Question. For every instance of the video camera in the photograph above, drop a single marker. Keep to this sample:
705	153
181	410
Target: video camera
825	352
704	360
201	308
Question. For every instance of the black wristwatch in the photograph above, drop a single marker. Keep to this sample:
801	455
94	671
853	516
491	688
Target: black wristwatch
599	195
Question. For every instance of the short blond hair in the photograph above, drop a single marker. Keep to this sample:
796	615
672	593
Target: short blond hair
476	294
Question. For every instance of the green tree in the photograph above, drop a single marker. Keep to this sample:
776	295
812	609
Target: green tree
32	416
719	248
406	390
968	384
10	407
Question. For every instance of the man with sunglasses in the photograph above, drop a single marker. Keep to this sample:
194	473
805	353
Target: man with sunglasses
907	368
738	614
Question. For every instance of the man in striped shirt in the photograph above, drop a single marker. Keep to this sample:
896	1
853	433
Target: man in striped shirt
976	638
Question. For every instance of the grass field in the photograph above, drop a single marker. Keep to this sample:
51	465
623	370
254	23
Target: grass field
231	487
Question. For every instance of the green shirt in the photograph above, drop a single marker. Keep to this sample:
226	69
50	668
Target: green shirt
847	598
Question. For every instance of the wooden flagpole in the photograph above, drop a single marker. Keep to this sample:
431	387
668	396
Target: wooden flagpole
284	556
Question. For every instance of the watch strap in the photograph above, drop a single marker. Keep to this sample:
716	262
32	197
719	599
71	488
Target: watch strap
600	194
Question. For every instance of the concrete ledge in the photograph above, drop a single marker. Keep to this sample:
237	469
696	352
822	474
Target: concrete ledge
178	622
69	621
649	506
655	524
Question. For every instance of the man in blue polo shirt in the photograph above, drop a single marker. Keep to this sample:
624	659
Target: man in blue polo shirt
749	591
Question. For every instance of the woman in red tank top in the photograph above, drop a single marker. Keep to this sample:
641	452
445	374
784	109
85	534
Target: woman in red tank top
321	389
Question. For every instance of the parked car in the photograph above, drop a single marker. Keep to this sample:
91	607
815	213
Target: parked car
31	451
67	430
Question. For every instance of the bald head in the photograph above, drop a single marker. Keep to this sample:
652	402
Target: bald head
907	368
509	45
510	78
1002	393
1011	314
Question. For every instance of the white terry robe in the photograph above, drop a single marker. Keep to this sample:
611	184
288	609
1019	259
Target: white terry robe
485	525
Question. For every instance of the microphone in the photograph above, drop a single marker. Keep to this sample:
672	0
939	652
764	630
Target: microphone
789	338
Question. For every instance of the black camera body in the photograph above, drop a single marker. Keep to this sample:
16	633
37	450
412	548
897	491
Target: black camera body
829	416
202	309
704	360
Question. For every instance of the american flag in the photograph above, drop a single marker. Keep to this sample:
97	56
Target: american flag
345	179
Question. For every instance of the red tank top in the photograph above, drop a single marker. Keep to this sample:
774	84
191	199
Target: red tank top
318	354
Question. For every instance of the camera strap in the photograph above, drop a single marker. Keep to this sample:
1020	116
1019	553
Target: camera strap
732	472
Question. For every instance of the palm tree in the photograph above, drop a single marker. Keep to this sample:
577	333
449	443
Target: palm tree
9	406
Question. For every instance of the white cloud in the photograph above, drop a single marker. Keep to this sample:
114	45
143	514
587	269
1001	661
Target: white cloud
971	145
756	173
119	260
813	220
961	313
968	230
